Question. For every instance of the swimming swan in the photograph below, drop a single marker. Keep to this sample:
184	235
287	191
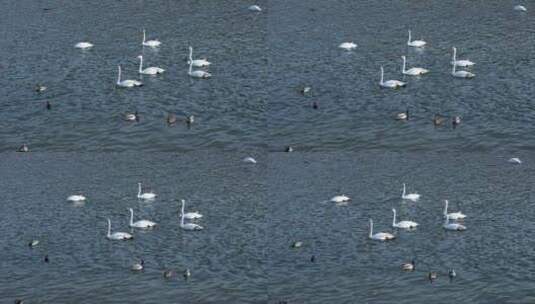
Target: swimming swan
415	43
83	45
393	84
412	71
151	43
140	223
411	196
454	215
76	198
380	236
189	226
340	199
403	224
127	83
453	226
461	74
146	195
198	73
199	63
460	63
149	70
189	215
117	235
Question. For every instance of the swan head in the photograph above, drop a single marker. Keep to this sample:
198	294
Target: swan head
140	56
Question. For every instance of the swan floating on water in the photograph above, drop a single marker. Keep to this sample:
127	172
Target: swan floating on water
140	223
403	224
515	160
249	160
117	236
340	198
189	215
128	83
76	198
392	84
83	45
348	46
461	74
198	73
460	63
520	8
151	43
454	215
146	195
149	70
411	196
255	8
199	63
412	71
380	236
415	43
453	226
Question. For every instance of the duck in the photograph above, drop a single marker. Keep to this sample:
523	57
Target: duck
171	119
190	120
455	121
138	266
186	274
452	274
289	149
348	46
23	148
403	115
46	259
40	88
168	273
438	120
409	266
315	105
131	116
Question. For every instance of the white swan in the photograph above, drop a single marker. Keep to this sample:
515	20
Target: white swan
412	71
454	215
461	74
149	70
453	226
189	215
76	198
151	43
198	73
146	195
199	63
189	226
250	160
255	8
411	196
460	63
393	84
380	236
403	224
415	43
348	46
83	45
515	160
340	199
140	223
127	83
520	8
117	235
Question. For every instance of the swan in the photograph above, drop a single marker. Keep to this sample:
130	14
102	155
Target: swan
76	198
461	74
146	195
415	43
150	70
411	196
189	226
408	266
198	73
380	236
151	43
520	8
412	71
453	226
255	8
140	223
348	46
403	115
117	235
198	63
340	199
83	45
515	160
454	215
460	63
249	160
138	266
189	215
127	83
393	84
403	224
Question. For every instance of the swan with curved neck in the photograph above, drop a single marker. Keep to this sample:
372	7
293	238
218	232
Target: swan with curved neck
149	70
392	84
460	63
411	196
189	215
189	226
146	195
403	224
151	43
453	226
198	73
199	63
128	83
380	236
140	223
454	215
415	43
461	74
412	71
117	236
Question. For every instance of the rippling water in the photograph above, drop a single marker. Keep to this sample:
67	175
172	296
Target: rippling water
226	258
38	47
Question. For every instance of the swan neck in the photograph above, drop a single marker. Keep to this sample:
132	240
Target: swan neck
182	210
382	75
109	227
403	194
140	63
409	36
131	216
143	35
190	53
139	190
454	54
190	66
119	76
394	219
371	228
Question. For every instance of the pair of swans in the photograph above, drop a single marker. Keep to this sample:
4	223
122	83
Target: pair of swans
151	43
145	195
460	63
411	196
412	71
189	216
392	84
461	74
403	224
128	83
149	70
380	236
